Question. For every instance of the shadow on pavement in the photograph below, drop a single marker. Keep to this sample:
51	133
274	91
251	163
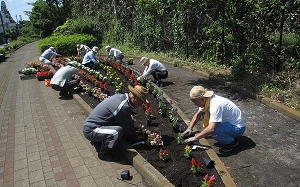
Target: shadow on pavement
244	144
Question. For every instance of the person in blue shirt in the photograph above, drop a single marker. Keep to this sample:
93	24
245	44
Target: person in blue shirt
48	55
90	59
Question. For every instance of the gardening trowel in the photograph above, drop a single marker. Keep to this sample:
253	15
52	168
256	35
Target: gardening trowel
198	146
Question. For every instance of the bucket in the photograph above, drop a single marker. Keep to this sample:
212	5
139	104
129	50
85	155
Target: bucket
47	82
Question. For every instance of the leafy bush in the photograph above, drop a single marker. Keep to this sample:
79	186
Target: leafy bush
86	25
2	51
66	44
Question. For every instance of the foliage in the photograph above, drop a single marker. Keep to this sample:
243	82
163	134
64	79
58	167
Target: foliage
47	15
65	44
86	25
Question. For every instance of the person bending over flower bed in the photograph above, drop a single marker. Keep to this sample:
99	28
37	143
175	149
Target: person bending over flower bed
61	81
111	120
90	59
223	120
154	68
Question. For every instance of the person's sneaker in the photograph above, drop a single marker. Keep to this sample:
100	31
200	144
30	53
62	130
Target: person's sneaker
229	147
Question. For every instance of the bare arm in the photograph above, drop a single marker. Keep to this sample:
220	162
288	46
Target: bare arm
195	119
207	131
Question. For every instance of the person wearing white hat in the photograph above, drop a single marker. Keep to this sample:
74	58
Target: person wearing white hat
111	120
223	120
90	59
82	49
47	56
113	52
62	80
154	68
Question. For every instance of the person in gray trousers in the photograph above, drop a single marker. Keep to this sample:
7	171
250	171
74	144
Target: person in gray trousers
111	120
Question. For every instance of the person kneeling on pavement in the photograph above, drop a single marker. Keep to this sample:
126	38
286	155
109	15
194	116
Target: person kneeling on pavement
111	120
90	59
61	80
154	68
223	120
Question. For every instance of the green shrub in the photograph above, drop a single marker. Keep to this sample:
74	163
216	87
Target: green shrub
66	44
2	51
86	25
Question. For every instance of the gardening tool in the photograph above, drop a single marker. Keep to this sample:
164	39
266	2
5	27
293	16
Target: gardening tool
138	143
199	146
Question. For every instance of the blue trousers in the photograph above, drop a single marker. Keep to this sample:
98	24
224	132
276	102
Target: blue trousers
226	132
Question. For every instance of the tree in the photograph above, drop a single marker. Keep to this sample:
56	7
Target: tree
47	15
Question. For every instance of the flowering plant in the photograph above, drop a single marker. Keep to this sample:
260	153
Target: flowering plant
188	151
154	138
140	129
162	108
148	111
196	166
207	182
180	138
163	154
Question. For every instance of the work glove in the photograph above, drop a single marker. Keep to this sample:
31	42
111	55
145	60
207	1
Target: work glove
190	140
139	78
187	132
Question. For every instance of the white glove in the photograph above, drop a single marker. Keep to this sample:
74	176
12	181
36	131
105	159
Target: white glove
139	78
190	140
187	132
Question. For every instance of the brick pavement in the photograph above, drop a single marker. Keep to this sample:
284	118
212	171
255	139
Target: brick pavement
41	143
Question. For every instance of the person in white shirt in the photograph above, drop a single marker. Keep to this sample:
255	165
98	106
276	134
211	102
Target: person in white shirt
113	52
154	68
82	49
223	120
90	59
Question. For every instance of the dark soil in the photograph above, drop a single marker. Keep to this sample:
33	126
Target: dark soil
178	168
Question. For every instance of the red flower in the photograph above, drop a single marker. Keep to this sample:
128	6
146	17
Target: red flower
148	108
136	82
132	77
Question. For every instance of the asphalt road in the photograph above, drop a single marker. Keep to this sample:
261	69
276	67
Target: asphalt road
268	154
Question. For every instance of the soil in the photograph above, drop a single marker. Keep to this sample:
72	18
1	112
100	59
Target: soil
177	169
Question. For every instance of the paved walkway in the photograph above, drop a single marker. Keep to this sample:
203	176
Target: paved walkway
41	142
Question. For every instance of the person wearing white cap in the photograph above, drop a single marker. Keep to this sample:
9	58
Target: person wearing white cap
90	58
223	120
154	68
82	49
113	52
48	55
111	120
61	80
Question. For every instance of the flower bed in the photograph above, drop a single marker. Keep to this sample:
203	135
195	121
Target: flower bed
181	165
